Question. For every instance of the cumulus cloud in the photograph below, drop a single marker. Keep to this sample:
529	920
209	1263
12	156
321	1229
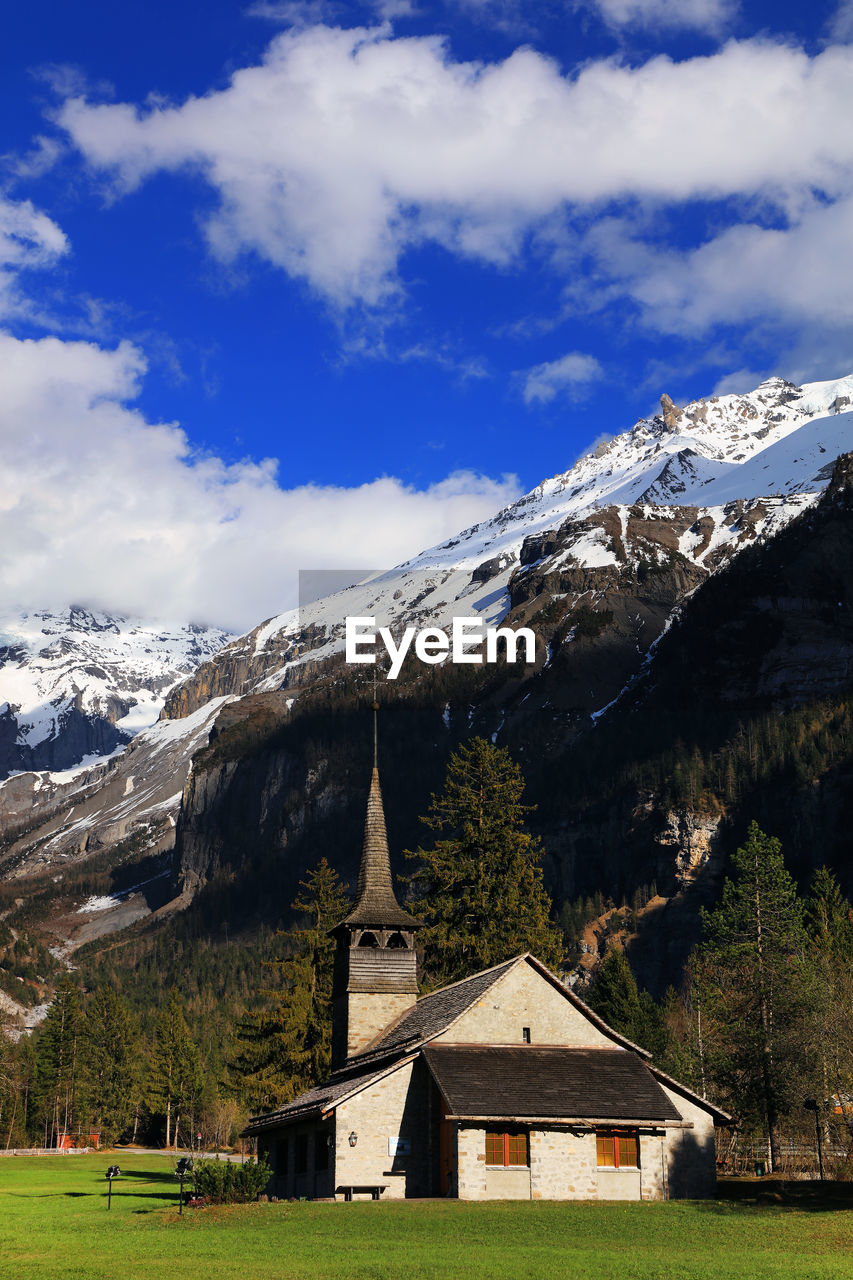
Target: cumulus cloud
570	375
28	240
841	22
100	506
344	148
711	16
786	275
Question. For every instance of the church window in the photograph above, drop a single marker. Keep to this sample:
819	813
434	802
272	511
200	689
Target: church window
506	1148
617	1149
368	940
525	1034
397	942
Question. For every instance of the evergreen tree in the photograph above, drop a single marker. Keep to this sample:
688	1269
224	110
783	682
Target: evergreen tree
17	1073
286	1047
616	997
829	917
479	888
829	921
175	1080
111	1063
752	984
57	1084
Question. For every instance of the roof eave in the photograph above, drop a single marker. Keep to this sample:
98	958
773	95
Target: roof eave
576	1122
720	1116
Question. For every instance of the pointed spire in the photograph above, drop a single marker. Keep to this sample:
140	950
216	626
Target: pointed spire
376	903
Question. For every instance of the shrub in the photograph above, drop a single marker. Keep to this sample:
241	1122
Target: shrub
224	1182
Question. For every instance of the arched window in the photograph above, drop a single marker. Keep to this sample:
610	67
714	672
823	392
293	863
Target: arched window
397	942
368	940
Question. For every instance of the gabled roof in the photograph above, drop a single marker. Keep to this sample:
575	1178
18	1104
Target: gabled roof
376	905
436	1013
624	1077
317	1101
526	1083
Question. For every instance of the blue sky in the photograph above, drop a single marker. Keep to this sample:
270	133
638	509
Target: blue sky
297	285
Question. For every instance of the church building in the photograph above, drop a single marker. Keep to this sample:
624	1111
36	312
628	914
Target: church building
502	1086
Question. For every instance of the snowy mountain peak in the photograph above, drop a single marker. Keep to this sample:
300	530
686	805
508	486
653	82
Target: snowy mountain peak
740	466
76	682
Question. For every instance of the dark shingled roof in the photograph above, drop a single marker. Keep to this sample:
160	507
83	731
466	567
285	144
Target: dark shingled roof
595	1084
376	904
435	1012
315	1100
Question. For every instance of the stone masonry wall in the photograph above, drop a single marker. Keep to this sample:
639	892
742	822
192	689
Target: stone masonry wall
562	1165
691	1159
368	1013
652	1156
470	1163
396	1107
523	998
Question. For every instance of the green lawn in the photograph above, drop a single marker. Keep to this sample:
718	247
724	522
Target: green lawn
54	1223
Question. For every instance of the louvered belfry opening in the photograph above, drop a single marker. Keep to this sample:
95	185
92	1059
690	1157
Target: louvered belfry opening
376	968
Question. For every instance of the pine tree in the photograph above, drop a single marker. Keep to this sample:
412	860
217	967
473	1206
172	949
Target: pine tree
286	1047
479	888
175	1080
56	1065
751	981
111	1063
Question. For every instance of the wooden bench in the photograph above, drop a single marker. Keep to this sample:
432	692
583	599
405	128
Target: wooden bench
351	1190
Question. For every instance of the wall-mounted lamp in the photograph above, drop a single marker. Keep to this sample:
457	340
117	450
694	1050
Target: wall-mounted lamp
353	1139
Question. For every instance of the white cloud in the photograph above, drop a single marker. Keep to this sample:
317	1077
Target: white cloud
571	375
97	505
711	16
789	275
28	240
346	147
841	22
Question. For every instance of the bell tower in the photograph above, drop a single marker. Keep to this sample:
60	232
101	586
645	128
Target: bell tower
375	978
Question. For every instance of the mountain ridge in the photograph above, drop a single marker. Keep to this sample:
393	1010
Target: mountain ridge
241	764
77	684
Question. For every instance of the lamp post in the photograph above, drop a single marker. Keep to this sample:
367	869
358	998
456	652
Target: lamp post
184	1170
112	1172
811	1104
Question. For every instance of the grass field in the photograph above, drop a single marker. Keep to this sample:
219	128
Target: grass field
54	1223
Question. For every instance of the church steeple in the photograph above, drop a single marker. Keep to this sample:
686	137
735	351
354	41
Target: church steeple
375	964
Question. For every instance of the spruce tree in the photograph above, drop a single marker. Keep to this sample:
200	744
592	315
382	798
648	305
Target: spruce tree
57	1084
616	997
175	1080
286	1047
111	1063
479	887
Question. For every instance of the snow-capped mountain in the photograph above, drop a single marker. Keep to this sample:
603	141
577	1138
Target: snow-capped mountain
77	683
618	542
742	466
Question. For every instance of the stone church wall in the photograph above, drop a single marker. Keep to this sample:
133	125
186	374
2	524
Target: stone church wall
691	1157
523	998
394	1126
